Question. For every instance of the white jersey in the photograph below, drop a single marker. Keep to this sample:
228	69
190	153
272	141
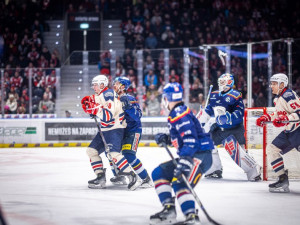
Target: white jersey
112	114
287	103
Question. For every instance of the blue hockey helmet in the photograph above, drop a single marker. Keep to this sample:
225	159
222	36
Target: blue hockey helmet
225	80
124	81
173	92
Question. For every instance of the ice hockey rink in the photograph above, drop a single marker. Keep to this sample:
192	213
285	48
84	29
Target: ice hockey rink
48	186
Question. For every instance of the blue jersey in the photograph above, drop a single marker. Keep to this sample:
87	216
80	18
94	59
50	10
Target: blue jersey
133	114
186	133
233	103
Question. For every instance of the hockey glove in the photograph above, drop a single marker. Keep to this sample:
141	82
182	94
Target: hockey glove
281	121
184	166
162	138
91	107
261	120
126	104
223	119
86	99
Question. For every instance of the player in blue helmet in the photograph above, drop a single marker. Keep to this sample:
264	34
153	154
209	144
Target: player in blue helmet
132	134
194	158
228	108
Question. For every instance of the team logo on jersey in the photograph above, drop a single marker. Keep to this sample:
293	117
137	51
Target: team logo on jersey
287	94
227	99
109	94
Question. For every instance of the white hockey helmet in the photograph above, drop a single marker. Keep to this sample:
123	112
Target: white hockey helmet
100	79
280	78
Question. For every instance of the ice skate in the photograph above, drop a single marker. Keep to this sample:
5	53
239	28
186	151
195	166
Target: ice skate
254	174
282	185
216	174
118	180
166	216
191	219
147	183
98	182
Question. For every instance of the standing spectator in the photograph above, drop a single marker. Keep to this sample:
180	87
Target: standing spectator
150	78
151	41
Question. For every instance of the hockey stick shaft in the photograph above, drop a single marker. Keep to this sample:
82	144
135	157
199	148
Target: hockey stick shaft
191	189
207	100
285	121
106	146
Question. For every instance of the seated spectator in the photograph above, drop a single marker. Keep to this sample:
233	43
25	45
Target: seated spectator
150	79
46	105
153	106
21	110
11	104
152	90
261	100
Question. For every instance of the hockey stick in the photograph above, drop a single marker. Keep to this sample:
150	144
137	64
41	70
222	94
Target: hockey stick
206	103
191	189
106	146
285	121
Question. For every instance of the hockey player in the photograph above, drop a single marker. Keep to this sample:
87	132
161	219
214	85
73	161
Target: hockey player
194	151
228	108
287	108
132	134
105	104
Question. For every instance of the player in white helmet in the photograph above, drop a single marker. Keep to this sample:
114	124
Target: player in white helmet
287	115
105	105
228	108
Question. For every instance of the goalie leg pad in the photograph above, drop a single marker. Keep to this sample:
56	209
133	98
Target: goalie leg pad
95	159
241	158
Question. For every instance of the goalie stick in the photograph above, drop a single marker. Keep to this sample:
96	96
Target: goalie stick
206	103
106	146
191	189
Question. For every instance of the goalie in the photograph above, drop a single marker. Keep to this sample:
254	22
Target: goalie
228	108
287	114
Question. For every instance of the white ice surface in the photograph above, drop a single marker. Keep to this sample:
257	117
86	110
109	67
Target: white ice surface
48	186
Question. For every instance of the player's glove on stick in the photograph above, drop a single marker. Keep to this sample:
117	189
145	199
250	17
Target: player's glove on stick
184	166
261	120
91	108
162	138
126	104
224	119
86	99
278	122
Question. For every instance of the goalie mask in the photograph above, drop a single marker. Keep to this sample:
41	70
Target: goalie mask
225	82
172	92
98	80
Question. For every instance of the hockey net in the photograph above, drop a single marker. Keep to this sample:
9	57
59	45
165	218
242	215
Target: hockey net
257	139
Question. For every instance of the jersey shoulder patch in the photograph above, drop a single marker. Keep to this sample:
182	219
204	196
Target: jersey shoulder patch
288	95
178	113
235	94
108	94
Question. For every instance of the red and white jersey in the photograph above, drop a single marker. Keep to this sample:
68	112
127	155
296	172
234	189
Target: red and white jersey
51	81
16	81
287	103
112	114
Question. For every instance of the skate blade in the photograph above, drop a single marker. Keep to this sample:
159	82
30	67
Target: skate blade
93	186
280	190
164	222
136	185
119	183
147	185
